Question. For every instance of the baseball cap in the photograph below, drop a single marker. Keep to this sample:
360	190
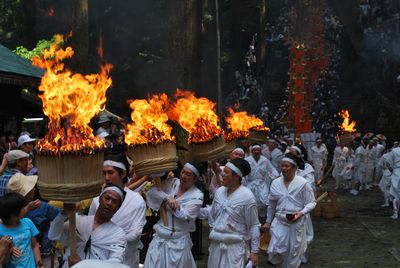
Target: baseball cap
24	139
22	184
15	155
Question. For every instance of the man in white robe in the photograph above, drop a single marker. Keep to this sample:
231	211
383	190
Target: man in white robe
233	219
290	199
394	159
319	156
171	243
384	184
131	216
340	156
261	176
98	237
276	154
359	165
370	162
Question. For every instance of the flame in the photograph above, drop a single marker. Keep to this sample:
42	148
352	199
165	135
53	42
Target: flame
196	115
240	123
346	126
149	121
70	101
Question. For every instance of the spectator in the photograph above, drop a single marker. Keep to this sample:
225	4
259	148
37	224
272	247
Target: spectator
17	162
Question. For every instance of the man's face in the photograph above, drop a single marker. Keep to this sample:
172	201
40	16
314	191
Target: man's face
236	154
111	175
110	202
256	153
28	147
187	178
287	169
319	143
22	165
271	146
228	177
294	152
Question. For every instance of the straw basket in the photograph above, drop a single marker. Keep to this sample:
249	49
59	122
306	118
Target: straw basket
230	146
149	158
210	150
330	209
70	178
258	136
346	137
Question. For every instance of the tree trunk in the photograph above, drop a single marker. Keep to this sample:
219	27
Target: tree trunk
236	34
183	47
261	36
80	35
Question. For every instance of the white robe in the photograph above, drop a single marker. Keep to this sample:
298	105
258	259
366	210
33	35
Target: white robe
276	158
234	222
288	239
385	181
260	178
131	217
340	157
319	157
170	247
359	164
370	160
103	246
308	174
394	159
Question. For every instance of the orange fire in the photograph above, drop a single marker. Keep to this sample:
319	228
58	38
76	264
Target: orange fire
149	121
346	126
196	115
239	124
70	101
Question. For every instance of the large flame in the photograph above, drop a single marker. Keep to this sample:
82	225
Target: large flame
196	115
149	121
70	101
240	123
347	126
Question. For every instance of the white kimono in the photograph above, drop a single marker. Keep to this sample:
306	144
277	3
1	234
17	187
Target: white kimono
394	159
234	223
359	164
103	246
370	160
288	239
340	156
170	247
385	181
319	157
131	217
260	178
308	174
276	157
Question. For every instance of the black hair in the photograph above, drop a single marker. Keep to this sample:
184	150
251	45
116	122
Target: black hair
11	205
303	151
242	165
121	158
297	160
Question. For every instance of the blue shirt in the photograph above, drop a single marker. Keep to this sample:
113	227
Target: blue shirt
7	174
22	238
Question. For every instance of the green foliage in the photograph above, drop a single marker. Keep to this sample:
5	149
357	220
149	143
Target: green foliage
35	52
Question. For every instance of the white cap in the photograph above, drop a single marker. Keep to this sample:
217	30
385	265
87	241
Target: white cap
103	118
24	139
15	155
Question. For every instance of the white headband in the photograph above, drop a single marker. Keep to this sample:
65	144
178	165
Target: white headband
255	147
239	150
193	169
234	169
114	164
290	160
297	149
115	189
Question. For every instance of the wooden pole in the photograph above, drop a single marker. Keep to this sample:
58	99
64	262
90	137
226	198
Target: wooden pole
70	208
163	209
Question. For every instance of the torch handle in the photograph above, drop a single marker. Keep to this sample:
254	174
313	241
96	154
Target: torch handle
71	209
163	209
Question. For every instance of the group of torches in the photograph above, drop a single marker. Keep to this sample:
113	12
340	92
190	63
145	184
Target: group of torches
71	100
